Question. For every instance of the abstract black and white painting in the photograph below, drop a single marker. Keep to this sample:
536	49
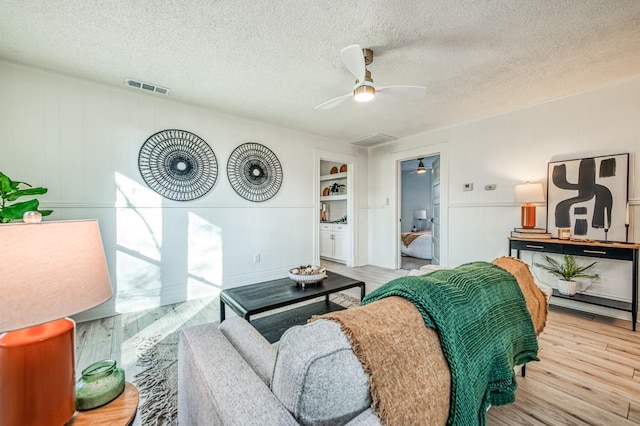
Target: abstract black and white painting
589	195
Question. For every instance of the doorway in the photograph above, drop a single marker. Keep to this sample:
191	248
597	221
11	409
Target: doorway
335	223
419	212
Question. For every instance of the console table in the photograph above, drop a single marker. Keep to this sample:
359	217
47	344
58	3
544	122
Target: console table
617	251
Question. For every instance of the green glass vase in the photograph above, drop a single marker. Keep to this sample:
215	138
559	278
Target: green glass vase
101	382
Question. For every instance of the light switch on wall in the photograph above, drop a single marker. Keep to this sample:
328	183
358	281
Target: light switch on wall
467	187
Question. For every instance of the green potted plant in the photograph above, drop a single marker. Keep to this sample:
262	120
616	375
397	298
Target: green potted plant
10	191
566	272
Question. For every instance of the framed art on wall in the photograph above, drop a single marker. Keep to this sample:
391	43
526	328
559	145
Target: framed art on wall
589	196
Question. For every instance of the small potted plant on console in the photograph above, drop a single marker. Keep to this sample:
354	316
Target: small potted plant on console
566	272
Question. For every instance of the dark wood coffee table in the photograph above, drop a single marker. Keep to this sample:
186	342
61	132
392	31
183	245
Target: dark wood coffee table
262	297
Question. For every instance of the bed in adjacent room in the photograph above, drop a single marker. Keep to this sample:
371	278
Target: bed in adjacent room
416	244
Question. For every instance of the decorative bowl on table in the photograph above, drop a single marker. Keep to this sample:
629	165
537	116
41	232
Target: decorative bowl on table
307	274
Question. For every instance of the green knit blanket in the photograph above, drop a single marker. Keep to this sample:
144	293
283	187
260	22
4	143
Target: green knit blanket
484	327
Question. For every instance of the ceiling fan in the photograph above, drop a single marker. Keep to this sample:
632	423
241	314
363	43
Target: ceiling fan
356	59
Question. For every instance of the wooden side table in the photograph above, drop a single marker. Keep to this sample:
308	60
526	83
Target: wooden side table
120	411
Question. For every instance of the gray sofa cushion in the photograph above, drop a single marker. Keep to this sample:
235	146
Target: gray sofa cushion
317	377
217	387
251	346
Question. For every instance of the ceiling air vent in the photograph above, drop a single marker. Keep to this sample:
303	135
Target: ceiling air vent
373	140
146	86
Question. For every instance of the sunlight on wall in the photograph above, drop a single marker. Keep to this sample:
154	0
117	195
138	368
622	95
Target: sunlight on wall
164	254
204	258
138	242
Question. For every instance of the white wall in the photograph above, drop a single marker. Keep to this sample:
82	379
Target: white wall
505	150
81	140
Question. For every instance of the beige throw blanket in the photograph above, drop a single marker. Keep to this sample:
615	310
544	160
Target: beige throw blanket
535	298
409	376
408	237
408	373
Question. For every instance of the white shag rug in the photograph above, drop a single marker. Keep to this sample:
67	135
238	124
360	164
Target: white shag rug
158	380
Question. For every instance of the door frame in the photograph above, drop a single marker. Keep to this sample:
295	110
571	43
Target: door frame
411	154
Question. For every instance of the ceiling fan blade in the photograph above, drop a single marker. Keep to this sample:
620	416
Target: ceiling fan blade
353	59
334	102
412	92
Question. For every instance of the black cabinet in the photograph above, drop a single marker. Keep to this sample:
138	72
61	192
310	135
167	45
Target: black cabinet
617	251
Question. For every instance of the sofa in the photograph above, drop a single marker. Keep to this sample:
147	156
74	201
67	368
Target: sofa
229	374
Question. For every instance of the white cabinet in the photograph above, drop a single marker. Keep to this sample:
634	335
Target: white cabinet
326	240
334	241
340	242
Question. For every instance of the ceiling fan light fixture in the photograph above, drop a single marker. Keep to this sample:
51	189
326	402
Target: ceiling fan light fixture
421	168
356	59
364	93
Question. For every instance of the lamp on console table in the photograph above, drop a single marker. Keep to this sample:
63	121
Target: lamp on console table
529	193
47	271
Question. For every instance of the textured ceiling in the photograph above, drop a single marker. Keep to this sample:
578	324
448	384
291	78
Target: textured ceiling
273	61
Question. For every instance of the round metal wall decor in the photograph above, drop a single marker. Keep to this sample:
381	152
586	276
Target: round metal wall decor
254	172
178	165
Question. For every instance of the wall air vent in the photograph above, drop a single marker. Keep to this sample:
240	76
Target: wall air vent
146	86
373	140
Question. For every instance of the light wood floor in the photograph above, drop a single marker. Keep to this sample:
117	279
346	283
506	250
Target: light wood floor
589	373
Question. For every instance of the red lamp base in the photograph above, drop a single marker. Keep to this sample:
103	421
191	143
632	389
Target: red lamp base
528	215
37	374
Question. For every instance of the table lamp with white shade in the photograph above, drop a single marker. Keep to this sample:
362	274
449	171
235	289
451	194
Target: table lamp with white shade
420	215
529	193
48	271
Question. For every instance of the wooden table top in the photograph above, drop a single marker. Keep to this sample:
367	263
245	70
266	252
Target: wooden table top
579	242
120	411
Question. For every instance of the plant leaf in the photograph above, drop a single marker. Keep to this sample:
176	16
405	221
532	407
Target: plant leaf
17	210
23	192
5	183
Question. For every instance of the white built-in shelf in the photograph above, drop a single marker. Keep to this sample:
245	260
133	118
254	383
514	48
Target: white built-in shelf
334	176
334	197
